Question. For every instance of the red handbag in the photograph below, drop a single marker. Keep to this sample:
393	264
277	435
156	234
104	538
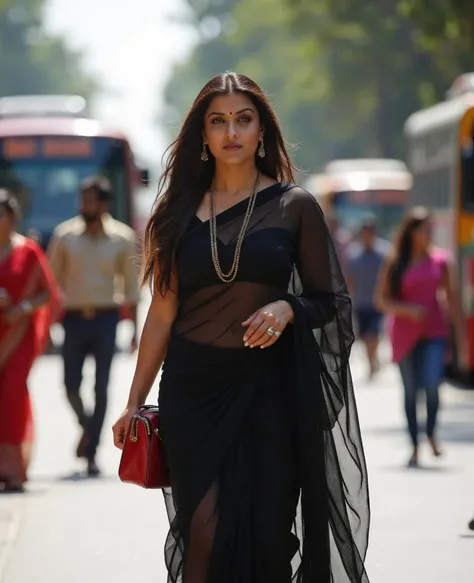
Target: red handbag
143	459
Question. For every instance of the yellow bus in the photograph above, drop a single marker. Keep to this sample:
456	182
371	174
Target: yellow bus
351	190
441	159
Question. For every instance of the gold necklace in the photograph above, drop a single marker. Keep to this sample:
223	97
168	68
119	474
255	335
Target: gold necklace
232	274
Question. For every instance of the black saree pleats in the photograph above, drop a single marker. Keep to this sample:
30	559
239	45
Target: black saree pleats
259	494
229	432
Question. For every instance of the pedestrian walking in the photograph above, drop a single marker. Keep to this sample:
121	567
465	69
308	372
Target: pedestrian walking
257	406
341	237
29	304
94	259
366	257
412	281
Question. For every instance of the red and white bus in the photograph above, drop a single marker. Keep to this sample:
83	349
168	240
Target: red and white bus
48	145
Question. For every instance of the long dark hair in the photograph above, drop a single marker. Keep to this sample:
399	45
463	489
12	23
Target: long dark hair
186	177
403	246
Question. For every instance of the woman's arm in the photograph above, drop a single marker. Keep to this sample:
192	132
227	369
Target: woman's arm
322	292
26	307
153	344
384	301
316	296
42	293
151	353
36	301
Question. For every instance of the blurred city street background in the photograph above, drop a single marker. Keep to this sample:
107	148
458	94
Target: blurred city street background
385	80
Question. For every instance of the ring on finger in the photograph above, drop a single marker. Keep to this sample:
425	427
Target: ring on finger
272	332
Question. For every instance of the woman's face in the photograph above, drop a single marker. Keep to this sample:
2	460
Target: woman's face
421	235
232	128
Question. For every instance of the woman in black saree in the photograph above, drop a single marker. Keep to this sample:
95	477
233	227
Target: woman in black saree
251	316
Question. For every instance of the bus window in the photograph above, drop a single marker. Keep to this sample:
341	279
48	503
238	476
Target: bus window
352	207
47	184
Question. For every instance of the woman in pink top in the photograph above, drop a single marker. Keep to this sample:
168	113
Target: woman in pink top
416	284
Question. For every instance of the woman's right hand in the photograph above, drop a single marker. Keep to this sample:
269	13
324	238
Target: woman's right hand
120	427
414	312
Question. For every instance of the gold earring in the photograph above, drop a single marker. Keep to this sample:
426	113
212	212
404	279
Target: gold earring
261	149
204	156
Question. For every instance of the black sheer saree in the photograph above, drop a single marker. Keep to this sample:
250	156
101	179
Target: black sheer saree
266	459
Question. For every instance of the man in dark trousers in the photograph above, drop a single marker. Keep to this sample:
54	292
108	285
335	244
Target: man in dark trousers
94	259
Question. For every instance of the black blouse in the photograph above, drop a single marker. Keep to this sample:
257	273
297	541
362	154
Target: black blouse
283	234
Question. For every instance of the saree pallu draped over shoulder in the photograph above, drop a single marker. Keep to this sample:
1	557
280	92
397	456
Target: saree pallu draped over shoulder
264	447
24	273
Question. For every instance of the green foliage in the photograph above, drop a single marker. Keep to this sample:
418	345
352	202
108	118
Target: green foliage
32	62
443	20
343	75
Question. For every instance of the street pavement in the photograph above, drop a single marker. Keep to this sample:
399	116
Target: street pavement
68	528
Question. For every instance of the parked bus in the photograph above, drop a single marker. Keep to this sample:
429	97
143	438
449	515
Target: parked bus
48	145
351	190
440	142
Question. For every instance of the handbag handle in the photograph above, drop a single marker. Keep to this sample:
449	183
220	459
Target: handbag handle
137	417
147	407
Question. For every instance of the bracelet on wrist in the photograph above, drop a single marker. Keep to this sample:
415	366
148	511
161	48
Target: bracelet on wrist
26	307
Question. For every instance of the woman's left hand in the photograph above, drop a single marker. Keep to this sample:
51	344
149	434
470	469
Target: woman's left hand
276	315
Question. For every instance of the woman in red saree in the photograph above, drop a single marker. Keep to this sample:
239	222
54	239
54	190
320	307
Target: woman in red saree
29	304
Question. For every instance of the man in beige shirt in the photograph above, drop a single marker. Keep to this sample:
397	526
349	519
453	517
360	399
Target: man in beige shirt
94	259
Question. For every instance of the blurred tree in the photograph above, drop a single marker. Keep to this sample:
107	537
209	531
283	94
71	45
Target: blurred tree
442	20
344	76
381	63
31	61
